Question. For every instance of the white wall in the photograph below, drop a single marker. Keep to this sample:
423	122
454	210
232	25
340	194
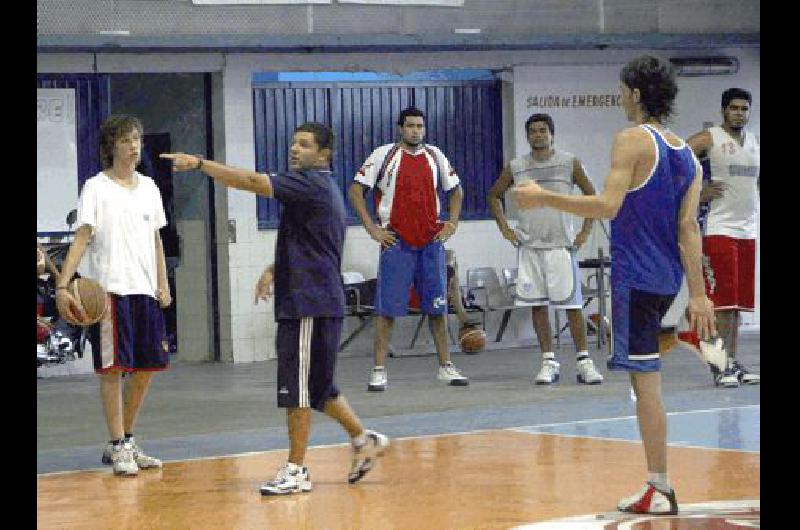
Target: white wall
588	132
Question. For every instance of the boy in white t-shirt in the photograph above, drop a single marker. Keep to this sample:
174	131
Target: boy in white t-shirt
119	216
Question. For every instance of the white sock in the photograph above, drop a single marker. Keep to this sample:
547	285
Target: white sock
548	356
581	355
360	440
660	481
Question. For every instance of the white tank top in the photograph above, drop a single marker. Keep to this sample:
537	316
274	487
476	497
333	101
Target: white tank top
738	166
545	227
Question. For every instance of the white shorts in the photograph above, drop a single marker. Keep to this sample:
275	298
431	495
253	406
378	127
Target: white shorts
548	276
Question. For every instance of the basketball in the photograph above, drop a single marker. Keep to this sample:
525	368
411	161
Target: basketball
91	297
472	339
667	340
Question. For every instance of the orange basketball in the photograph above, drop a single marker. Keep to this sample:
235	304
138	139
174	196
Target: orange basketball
472	339
91	297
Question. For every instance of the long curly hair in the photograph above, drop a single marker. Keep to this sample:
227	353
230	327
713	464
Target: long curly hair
655	80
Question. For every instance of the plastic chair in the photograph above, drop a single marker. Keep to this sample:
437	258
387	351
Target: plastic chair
486	294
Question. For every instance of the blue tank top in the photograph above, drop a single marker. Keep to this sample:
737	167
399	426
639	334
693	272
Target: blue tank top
644	234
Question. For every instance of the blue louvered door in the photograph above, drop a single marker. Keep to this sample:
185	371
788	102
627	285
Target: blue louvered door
463	118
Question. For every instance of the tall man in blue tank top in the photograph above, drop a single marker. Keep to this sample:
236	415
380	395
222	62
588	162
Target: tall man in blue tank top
309	297
651	194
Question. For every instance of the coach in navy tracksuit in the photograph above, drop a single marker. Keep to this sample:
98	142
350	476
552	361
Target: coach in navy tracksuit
309	298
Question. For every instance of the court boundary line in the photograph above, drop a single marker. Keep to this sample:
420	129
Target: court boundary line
459	433
523	429
599	420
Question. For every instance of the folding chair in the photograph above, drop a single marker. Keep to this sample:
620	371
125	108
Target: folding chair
487	294
359	296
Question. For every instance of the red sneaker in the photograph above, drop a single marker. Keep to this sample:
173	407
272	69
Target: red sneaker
651	501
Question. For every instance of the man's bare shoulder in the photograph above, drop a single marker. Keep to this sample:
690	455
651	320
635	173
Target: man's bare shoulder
633	139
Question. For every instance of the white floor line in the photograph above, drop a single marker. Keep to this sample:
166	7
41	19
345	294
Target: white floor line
625	440
600	420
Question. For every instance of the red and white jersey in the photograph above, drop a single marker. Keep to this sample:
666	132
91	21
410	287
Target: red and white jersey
735	213
406	183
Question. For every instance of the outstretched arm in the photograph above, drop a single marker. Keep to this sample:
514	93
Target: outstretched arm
624	154
242	179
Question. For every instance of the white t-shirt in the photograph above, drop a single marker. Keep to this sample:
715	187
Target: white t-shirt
121	254
735	213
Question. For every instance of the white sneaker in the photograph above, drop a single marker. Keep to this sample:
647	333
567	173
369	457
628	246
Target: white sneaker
587	373
291	478
651	501
728	378
123	461
377	380
710	351
143	461
549	374
451	375
364	457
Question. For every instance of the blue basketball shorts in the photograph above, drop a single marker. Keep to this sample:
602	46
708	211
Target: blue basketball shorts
636	323
401	266
307	349
129	337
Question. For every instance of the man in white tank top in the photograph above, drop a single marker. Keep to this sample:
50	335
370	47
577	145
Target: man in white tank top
547	268
730	197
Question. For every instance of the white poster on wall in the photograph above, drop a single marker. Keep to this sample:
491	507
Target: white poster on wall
585	104
56	158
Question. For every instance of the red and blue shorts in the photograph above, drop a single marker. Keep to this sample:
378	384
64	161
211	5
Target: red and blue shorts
129	337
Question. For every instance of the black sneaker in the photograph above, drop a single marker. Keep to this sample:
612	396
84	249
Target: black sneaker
746	377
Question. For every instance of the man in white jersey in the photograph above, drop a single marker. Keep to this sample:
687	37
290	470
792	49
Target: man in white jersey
730	201
120	213
547	268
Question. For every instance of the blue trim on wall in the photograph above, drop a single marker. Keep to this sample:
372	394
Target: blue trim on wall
465	74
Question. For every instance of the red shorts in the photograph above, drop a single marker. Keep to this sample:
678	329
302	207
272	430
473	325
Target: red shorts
729	268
